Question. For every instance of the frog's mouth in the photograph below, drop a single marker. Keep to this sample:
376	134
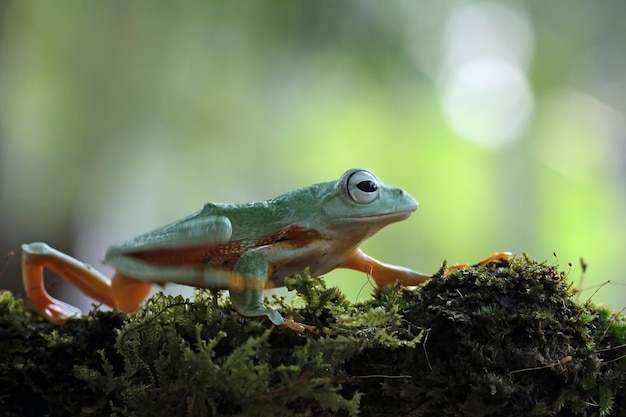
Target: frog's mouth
391	215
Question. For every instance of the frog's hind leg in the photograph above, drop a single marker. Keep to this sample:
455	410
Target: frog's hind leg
128	293
37	256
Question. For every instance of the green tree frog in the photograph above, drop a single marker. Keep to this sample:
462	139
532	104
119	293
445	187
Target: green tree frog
240	247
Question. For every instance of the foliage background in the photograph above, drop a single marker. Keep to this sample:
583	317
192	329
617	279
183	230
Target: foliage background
504	119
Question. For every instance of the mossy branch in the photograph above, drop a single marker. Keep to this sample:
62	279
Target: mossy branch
505	340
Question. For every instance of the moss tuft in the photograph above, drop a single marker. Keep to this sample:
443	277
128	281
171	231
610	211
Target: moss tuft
504	340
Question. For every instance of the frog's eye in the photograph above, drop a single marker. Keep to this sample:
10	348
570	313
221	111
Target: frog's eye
362	187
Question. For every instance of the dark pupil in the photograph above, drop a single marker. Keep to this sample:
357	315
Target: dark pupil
367	186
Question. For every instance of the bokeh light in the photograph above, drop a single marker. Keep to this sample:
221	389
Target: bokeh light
486	96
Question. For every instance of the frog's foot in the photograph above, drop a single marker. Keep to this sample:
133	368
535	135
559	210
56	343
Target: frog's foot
288	323
297	327
250	304
272	315
292	322
278	320
496	257
53	310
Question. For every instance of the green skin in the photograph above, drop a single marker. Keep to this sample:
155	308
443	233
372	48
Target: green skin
318	227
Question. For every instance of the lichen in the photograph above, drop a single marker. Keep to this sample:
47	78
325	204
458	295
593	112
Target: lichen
508	339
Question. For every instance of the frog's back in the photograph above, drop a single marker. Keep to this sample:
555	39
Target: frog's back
258	220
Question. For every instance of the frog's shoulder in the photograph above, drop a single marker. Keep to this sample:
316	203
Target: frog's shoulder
222	209
212	207
243	214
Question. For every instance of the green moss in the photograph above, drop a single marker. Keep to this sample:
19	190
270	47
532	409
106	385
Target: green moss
497	341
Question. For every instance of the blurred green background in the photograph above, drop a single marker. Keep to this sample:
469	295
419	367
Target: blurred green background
505	120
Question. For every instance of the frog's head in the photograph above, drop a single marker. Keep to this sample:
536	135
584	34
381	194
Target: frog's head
359	200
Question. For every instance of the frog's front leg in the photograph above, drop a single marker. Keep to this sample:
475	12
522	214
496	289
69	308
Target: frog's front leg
254	268
253	265
382	273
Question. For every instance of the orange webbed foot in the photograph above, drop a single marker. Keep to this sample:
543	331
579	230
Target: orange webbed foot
53	310
297	327
496	257
292	322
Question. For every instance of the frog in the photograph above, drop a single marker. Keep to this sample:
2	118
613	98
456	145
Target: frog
242	248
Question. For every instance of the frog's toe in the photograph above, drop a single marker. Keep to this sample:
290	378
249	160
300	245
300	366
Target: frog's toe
55	311
273	316
298	327
260	312
456	267
496	257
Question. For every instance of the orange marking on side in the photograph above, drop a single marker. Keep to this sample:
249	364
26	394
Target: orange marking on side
222	256
183	256
236	282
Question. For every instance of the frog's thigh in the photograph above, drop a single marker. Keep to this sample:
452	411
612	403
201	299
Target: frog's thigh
199	231
210	230
128	293
253	268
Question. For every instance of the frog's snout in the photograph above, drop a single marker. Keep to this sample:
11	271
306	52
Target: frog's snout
409	202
